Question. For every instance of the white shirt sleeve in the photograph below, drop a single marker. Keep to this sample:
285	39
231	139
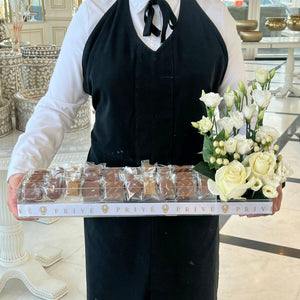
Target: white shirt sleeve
54	113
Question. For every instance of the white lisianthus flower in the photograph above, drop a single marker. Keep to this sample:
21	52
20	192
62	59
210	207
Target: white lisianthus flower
230	145
269	191
268	133
225	123
283	170
249	111
239	94
230	181
237	118
257	184
261	75
262	165
243	145
211	99
272	179
262	98
205	124
229	98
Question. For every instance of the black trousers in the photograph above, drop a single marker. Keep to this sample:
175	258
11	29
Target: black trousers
157	258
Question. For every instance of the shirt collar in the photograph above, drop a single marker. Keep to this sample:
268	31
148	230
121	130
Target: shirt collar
139	5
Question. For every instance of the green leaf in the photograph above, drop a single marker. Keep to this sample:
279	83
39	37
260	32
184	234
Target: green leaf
220	136
208	149
204	169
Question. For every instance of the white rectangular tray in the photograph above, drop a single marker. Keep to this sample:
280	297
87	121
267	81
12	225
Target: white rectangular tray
128	209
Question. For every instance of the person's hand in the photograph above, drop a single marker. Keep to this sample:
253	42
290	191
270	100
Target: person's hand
13	183
276	204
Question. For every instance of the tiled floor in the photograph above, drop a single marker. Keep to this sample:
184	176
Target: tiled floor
259	257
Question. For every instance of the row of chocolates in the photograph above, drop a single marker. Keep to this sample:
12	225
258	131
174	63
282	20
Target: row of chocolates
92	182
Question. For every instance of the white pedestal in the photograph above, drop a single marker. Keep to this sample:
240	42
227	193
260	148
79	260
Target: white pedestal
289	76
15	262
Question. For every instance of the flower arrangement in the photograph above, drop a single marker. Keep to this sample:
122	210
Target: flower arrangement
240	156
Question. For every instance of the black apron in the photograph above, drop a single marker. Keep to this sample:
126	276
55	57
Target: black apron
145	101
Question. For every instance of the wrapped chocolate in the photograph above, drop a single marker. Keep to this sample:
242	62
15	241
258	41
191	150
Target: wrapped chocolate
186	189
150	192
90	190
166	183
54	187
203	191
134	188
164	169
186	168
73	176
57	170
31	191
37	175
92	172
111	174
113	191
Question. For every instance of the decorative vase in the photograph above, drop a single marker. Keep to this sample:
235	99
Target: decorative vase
5	118
11	75
4	32
26	101
275	23
246	25
40	51
37	72
293	22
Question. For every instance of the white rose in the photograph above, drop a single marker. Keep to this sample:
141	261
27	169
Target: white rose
229	98
283	170
261	75
262	164
269	191
226	124
211	99
230	181
262	98
268	132
249	111
243	145
230	145
205	124
237	119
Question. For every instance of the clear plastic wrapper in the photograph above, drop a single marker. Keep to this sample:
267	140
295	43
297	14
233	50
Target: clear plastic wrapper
31	191
187	188
91	190
113	191
150	187
185	168
97	183
147	167
92	172
73	176
166	184
54	187
134	188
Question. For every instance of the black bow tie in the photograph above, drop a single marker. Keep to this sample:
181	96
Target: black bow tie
168	19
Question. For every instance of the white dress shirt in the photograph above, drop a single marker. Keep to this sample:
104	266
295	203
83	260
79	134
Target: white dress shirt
56	110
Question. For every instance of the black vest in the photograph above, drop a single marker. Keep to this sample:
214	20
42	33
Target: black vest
145	100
